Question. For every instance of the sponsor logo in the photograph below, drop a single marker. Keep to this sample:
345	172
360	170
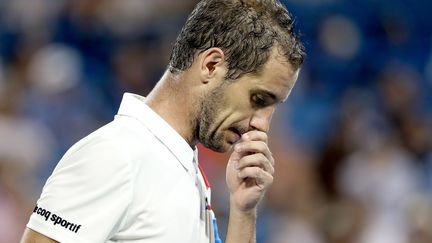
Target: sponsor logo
56	219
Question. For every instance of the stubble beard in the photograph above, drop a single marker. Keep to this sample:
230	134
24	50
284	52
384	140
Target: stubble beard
204	122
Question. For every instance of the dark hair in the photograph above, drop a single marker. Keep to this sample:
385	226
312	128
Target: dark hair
246	30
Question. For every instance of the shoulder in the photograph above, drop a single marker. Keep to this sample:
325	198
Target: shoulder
118	139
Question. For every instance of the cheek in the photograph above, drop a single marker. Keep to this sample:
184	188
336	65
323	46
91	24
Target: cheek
242	111
239	120
235	111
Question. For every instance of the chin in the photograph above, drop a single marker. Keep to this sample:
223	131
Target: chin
217	147
226	147
222	148
217	142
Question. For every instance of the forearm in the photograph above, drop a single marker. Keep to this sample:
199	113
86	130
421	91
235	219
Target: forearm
241	226
249	174
31	236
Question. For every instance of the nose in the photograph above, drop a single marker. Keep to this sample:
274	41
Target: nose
261	119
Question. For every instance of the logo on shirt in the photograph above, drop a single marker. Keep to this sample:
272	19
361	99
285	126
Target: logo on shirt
56	219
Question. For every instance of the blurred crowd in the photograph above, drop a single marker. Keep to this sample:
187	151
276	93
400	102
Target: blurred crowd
353	143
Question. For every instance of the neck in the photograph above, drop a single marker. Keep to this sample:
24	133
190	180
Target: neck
173	100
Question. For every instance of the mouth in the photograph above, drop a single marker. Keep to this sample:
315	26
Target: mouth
235	135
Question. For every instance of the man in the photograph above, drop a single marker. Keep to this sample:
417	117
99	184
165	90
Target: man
137	178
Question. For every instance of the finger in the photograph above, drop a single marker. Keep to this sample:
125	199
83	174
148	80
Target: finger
263	179
249	147
235	157
257	160
255	135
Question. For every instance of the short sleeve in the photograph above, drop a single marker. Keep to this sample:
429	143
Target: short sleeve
87	196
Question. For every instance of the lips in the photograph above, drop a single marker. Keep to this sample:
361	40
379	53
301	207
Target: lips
235	135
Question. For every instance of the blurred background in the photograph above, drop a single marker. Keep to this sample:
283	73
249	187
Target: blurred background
352	144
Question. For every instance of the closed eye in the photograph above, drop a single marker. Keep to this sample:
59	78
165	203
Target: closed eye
259	100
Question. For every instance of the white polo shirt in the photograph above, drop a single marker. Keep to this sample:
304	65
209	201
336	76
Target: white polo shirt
133	180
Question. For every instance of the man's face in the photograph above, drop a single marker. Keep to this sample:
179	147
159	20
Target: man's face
245	104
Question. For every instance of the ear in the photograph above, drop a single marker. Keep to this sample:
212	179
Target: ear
211	61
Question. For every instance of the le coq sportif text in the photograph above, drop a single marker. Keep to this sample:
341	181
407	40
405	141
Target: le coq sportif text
56	219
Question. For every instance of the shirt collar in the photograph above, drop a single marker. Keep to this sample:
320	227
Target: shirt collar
133	105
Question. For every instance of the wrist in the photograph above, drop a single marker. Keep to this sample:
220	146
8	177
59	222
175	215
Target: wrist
242	210
242	224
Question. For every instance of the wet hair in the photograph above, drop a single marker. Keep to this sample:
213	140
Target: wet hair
245	30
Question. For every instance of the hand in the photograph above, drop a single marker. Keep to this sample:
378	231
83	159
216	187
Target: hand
249	171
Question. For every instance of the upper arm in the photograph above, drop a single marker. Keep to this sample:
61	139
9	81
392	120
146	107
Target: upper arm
31	236
86	198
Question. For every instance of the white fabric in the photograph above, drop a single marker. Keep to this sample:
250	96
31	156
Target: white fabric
133	180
